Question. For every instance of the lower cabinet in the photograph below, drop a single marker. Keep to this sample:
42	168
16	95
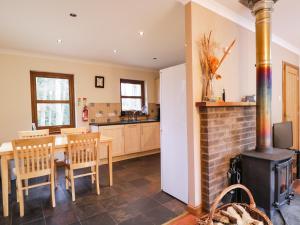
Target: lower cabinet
117	134
132	138
150	136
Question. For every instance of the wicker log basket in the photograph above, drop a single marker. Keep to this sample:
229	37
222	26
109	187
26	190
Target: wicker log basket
251	208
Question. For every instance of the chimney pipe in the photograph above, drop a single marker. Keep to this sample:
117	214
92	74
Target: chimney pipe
262	10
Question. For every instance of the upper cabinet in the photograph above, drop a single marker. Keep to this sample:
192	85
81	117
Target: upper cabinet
150	136
157	81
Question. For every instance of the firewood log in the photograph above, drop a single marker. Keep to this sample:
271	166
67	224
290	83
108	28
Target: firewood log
231	211
238	210
222	219
246	217
231	218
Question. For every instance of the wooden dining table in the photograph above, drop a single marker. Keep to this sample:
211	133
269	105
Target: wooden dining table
61	145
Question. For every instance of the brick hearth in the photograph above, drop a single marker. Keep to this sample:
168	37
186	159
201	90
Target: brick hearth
226	131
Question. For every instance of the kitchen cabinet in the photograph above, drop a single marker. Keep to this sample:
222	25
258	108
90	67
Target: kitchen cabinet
130	138
132	134
150	136
117	134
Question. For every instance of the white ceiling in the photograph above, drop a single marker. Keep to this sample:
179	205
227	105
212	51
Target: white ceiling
105	25
101	27
285	19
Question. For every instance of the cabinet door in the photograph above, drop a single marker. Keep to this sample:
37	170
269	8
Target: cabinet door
117	134
150	137
132	138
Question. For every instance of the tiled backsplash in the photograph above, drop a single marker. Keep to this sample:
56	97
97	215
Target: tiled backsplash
111	112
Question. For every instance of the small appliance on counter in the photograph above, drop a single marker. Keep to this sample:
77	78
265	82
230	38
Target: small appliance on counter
249	98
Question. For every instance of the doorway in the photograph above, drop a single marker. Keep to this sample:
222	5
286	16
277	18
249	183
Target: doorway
290	89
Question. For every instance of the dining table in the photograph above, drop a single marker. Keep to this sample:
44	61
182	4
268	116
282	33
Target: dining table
61	145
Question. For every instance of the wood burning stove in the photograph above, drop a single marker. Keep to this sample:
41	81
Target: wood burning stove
269	177
267	171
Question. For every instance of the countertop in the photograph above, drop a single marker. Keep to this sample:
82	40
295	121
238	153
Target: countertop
225	104
124	122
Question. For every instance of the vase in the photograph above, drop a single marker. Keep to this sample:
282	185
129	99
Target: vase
209	93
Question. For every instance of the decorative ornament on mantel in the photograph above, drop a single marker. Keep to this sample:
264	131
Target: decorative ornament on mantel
210	63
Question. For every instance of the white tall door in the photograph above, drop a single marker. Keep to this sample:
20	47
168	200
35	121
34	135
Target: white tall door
174	157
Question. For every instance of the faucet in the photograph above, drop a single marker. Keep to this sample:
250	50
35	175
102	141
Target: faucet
133	115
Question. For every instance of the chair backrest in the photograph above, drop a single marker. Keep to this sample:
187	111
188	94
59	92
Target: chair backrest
83	148
79	130
34	157
33	133
283	135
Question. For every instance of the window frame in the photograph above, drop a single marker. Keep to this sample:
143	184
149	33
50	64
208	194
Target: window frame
34	101
142	97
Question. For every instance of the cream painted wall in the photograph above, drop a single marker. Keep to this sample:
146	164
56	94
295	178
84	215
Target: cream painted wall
15	113
238	71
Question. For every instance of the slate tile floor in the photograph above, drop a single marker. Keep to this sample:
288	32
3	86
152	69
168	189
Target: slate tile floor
135	198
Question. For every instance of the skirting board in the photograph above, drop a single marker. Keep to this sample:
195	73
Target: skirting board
196	211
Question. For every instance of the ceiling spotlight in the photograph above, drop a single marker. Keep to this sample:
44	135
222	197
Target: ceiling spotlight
73	14
115	51
141	33
59	41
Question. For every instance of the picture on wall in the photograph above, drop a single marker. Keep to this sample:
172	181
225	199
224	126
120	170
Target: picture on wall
99	82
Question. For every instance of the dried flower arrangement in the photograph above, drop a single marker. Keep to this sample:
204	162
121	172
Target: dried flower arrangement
210	63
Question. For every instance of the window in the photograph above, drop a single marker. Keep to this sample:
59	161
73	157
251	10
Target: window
52	99
132	95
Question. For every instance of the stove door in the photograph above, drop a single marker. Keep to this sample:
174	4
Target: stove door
283	182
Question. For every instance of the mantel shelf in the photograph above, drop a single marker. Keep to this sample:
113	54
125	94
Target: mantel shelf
224	104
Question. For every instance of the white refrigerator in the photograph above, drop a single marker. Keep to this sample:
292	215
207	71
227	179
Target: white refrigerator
174	155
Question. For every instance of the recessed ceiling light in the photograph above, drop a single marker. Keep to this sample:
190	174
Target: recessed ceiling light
115	51
59	41
141	33
73	14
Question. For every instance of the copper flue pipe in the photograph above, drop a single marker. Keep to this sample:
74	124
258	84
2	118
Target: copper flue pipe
263	11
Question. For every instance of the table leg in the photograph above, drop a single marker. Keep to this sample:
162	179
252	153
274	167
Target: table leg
4	176
109	154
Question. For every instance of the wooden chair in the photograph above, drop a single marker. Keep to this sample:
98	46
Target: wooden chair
32	134
34	158
83	152
79	130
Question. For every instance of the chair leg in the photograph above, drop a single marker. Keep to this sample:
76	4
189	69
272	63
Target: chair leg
20	197
53	190
97	180
67	176
17	192
26	185
72	184
9	180
55	175
92	177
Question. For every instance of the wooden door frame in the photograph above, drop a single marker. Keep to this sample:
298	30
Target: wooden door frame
284	64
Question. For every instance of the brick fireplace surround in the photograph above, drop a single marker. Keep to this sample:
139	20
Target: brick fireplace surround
227	129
